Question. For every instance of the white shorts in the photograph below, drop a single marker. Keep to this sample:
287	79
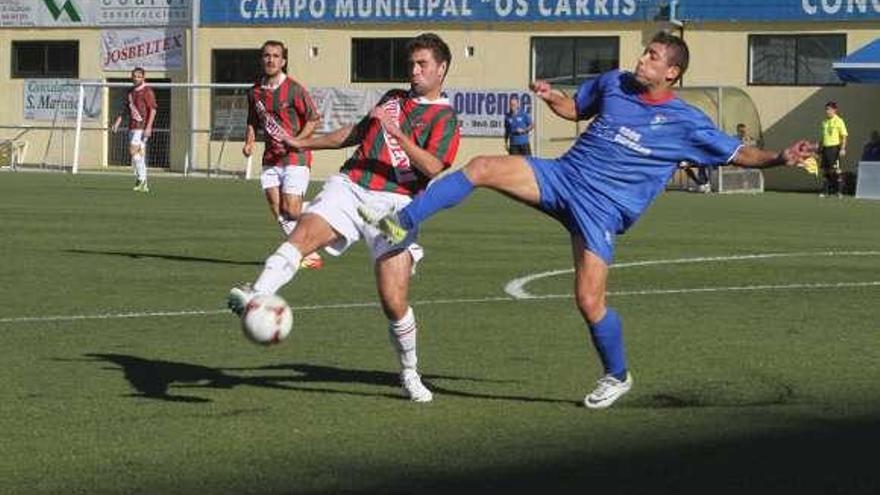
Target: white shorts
337	203
136	138
292	179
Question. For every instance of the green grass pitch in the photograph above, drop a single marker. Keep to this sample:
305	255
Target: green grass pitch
757	367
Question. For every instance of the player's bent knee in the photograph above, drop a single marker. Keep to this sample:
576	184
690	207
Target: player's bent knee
592	306
479	170
395	308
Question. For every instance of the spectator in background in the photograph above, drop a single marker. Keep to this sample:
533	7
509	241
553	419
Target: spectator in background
832	145
871	152
702	184
517	125
742	133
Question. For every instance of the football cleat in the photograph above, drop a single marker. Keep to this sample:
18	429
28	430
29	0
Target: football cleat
607	391
389	225
239	297
312	261
413	388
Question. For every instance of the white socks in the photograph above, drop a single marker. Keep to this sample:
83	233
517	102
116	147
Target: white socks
403	337
140	166
279	269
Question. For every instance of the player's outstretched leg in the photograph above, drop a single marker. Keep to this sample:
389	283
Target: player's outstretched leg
402	334
279	269
445	193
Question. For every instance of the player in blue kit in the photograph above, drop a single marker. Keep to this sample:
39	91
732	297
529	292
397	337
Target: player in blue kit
599	188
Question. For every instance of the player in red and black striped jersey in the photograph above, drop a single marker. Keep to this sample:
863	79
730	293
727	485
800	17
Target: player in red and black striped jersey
282	109
407	139
380	162
140	105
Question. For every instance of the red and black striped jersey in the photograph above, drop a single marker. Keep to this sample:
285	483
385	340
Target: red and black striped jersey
140	102
279	112
379	163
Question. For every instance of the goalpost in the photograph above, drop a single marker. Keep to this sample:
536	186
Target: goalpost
174	141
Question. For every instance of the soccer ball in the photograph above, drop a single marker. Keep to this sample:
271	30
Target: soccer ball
267	319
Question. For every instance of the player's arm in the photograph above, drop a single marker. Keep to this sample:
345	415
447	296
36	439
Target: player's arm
793	156
561	104
343	137
307	110
250	136
115	126
151	113
308	129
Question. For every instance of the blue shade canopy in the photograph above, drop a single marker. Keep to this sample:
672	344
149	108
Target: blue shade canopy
862	65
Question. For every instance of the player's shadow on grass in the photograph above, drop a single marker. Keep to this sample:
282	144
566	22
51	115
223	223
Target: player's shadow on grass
158	379
171	257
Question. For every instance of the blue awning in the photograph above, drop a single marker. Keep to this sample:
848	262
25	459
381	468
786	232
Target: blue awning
862	65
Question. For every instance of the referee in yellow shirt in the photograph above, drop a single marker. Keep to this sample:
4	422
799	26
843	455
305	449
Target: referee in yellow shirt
833	148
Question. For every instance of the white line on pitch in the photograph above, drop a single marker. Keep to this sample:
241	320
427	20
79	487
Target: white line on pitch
647	292
516	287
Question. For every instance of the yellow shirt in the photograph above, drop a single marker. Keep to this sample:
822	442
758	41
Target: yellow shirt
832	130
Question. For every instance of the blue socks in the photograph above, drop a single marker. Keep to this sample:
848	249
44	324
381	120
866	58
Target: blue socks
445	193
607	336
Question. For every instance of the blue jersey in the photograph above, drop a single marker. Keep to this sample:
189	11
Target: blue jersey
514	127
627	154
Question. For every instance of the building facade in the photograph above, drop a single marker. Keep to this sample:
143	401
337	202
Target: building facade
779	52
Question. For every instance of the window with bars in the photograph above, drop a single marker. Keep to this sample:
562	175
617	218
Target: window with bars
229	105
379	60
568	61
45	59
795	60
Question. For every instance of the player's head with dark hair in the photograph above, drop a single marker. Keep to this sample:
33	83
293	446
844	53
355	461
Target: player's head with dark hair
665	59
429	59
137	76
513	103
273	54
439	49
677	53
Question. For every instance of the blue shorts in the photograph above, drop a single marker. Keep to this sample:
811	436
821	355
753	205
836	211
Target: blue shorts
566	196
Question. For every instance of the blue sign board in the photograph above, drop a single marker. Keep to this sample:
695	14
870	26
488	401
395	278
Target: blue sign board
226	12
777	10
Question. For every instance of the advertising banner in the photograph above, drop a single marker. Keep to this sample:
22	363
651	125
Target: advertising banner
90	13
481	112
421	11
340	107
51	99
152	49
780	10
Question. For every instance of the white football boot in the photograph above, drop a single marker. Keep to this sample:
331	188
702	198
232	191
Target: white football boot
413	388
608	389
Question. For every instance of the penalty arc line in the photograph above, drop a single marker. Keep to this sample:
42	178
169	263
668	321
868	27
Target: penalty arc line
516	287
646	292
